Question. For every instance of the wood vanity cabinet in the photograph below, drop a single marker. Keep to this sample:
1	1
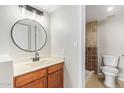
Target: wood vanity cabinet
55	76
50	77
35	79
40	83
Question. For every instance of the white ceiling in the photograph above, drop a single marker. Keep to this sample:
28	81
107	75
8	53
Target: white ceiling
48	8
99	12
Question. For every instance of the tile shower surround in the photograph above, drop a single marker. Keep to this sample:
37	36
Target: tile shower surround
91	43
91	58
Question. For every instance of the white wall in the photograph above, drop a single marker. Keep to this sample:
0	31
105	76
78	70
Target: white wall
66	29
8	16
111	39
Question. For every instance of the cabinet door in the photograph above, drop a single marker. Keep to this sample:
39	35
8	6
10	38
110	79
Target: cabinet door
55	79
25	79
40	83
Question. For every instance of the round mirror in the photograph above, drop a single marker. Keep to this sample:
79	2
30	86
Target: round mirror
28	35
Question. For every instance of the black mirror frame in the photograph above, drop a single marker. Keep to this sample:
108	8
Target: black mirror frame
19	46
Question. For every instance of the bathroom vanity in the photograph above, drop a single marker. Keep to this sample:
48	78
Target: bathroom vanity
39	74
35	72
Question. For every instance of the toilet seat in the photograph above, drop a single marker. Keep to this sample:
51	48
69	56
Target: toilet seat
110	70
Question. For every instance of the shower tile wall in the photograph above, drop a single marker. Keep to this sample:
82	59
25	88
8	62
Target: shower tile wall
91	46
91	58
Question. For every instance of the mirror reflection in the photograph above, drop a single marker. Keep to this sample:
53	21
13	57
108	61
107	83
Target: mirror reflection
29	35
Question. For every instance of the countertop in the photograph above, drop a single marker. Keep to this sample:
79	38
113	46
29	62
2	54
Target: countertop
26	66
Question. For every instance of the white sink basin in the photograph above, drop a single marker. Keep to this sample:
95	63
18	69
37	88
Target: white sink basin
25	66
39	63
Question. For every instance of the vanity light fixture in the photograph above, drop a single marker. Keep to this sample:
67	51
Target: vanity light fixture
32	9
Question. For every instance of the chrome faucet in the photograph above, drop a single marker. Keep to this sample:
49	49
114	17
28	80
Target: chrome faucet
36	58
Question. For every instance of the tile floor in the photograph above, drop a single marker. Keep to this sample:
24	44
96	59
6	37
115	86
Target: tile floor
96	81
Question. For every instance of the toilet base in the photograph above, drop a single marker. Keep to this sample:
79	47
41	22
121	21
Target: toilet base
110	81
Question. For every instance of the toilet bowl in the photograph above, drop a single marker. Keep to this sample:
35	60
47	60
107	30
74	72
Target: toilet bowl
110	76
110	70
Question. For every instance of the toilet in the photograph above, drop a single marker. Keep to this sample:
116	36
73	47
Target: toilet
110	70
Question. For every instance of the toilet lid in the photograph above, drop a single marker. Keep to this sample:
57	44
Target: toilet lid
110	69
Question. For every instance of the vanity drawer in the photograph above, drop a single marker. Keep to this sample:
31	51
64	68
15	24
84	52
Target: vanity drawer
54	68
29	77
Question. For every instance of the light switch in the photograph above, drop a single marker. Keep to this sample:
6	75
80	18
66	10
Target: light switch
75	44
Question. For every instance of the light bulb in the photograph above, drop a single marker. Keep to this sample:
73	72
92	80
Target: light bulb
42	17
23	10
34	14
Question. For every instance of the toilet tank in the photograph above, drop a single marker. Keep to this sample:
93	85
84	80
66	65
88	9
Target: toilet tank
110	60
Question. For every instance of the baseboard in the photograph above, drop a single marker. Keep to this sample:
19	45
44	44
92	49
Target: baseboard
121	79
